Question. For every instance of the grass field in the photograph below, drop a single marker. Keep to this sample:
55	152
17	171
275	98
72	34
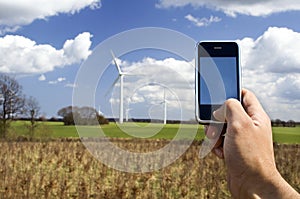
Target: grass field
129	130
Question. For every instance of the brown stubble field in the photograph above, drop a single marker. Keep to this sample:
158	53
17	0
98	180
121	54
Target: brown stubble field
66	169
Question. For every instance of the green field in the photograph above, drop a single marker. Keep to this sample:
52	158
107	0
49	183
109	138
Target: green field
144	130
286	135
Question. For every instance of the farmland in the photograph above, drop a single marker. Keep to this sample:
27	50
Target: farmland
64	168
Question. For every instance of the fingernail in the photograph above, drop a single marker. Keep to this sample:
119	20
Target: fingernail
213	134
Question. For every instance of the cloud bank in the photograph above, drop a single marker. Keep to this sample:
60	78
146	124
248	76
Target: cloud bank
270	68
233	7
20	55
16	13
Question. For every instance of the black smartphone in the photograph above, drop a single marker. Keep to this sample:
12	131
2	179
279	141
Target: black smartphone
218	77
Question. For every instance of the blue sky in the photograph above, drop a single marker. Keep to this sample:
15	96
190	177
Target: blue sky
44	45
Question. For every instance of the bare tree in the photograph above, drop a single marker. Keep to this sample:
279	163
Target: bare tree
32	110
11	102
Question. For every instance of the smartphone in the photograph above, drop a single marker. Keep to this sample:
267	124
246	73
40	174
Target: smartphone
218	77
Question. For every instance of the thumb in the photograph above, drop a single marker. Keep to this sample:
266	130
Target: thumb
231	110
220	113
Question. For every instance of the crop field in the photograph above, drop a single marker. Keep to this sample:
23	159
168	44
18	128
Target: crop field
65	169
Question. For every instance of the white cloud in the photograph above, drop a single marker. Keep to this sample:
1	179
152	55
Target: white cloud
233	7
58	80
42	78
70	85
203	21
271	68
77	49
16	13
20	55
61	79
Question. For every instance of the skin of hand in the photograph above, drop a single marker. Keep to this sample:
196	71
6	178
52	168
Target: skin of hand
248	150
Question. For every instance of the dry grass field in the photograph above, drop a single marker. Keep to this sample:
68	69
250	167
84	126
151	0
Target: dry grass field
65	169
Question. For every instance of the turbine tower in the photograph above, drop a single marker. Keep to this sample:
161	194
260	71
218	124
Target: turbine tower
165	103
127	110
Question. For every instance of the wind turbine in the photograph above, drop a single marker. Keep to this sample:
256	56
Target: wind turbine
121	78
165	103
127	110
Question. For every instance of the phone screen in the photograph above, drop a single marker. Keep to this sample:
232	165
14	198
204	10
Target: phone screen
226	66
218	70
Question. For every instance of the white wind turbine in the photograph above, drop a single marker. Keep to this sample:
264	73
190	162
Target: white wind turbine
127	110
121	78
165	103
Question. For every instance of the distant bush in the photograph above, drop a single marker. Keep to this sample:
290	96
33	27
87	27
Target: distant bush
81	116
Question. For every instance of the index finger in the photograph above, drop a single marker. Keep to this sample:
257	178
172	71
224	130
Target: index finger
253	107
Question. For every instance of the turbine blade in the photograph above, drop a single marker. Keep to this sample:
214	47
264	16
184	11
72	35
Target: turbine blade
115	61
112	86
129	74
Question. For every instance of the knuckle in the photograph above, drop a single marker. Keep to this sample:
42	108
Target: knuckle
240	125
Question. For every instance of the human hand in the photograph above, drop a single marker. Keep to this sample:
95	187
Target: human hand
248	150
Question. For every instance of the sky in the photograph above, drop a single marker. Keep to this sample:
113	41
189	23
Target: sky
44	44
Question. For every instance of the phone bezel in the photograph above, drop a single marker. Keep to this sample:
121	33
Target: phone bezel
227	53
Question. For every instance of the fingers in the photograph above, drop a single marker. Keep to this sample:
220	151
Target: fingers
237	115
253	107
250	102
213	133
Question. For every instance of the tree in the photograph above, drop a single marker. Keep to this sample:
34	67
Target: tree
291	123
67	115
82	115
32	110
277	122
12	102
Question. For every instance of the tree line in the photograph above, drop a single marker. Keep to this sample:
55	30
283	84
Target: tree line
14	104
282	123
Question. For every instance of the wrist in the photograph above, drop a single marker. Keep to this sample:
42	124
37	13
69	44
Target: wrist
271	186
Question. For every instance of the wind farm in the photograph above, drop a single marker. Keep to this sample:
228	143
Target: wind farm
120	79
